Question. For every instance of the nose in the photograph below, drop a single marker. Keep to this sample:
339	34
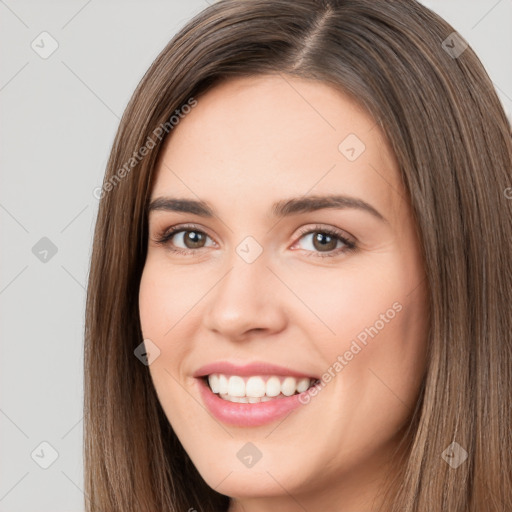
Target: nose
246	301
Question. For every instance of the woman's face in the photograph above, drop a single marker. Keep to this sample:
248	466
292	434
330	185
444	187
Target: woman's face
294	247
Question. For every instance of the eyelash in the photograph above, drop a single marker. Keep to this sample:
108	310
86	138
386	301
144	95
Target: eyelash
166	236
349	245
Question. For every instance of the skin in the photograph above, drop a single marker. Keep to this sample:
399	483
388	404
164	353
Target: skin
248	143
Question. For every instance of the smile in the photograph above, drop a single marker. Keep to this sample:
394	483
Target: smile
258	388
254	394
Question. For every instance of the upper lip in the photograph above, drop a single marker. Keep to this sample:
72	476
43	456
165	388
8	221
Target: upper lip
255	368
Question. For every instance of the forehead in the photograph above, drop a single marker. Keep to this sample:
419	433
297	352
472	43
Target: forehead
277	136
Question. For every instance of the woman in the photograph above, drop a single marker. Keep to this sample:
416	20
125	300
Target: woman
301	275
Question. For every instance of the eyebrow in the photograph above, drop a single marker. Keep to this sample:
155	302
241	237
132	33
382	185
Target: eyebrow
284	208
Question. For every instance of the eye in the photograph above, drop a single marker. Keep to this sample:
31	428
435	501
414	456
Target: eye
184	239
324	242
319	241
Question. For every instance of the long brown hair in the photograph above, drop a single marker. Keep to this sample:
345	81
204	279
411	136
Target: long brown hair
452	140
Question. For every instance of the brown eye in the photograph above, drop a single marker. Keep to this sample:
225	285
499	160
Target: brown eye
194	239
184	241
324	241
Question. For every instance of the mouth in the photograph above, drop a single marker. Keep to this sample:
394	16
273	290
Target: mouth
256	388
253	394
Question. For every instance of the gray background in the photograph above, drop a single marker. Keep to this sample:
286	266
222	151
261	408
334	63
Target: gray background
59	115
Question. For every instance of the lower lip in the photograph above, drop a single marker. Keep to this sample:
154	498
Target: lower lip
247	415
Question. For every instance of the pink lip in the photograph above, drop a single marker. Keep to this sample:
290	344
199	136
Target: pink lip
247	415
257	368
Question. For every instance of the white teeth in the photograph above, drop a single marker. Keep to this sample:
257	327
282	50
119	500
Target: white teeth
289	386
303	384
257	388
223	384
273	387
236	386
214	383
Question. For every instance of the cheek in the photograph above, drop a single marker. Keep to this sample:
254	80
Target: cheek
152	302
164	300
370	327
170	315
163	307
163	303
346	301
376	361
